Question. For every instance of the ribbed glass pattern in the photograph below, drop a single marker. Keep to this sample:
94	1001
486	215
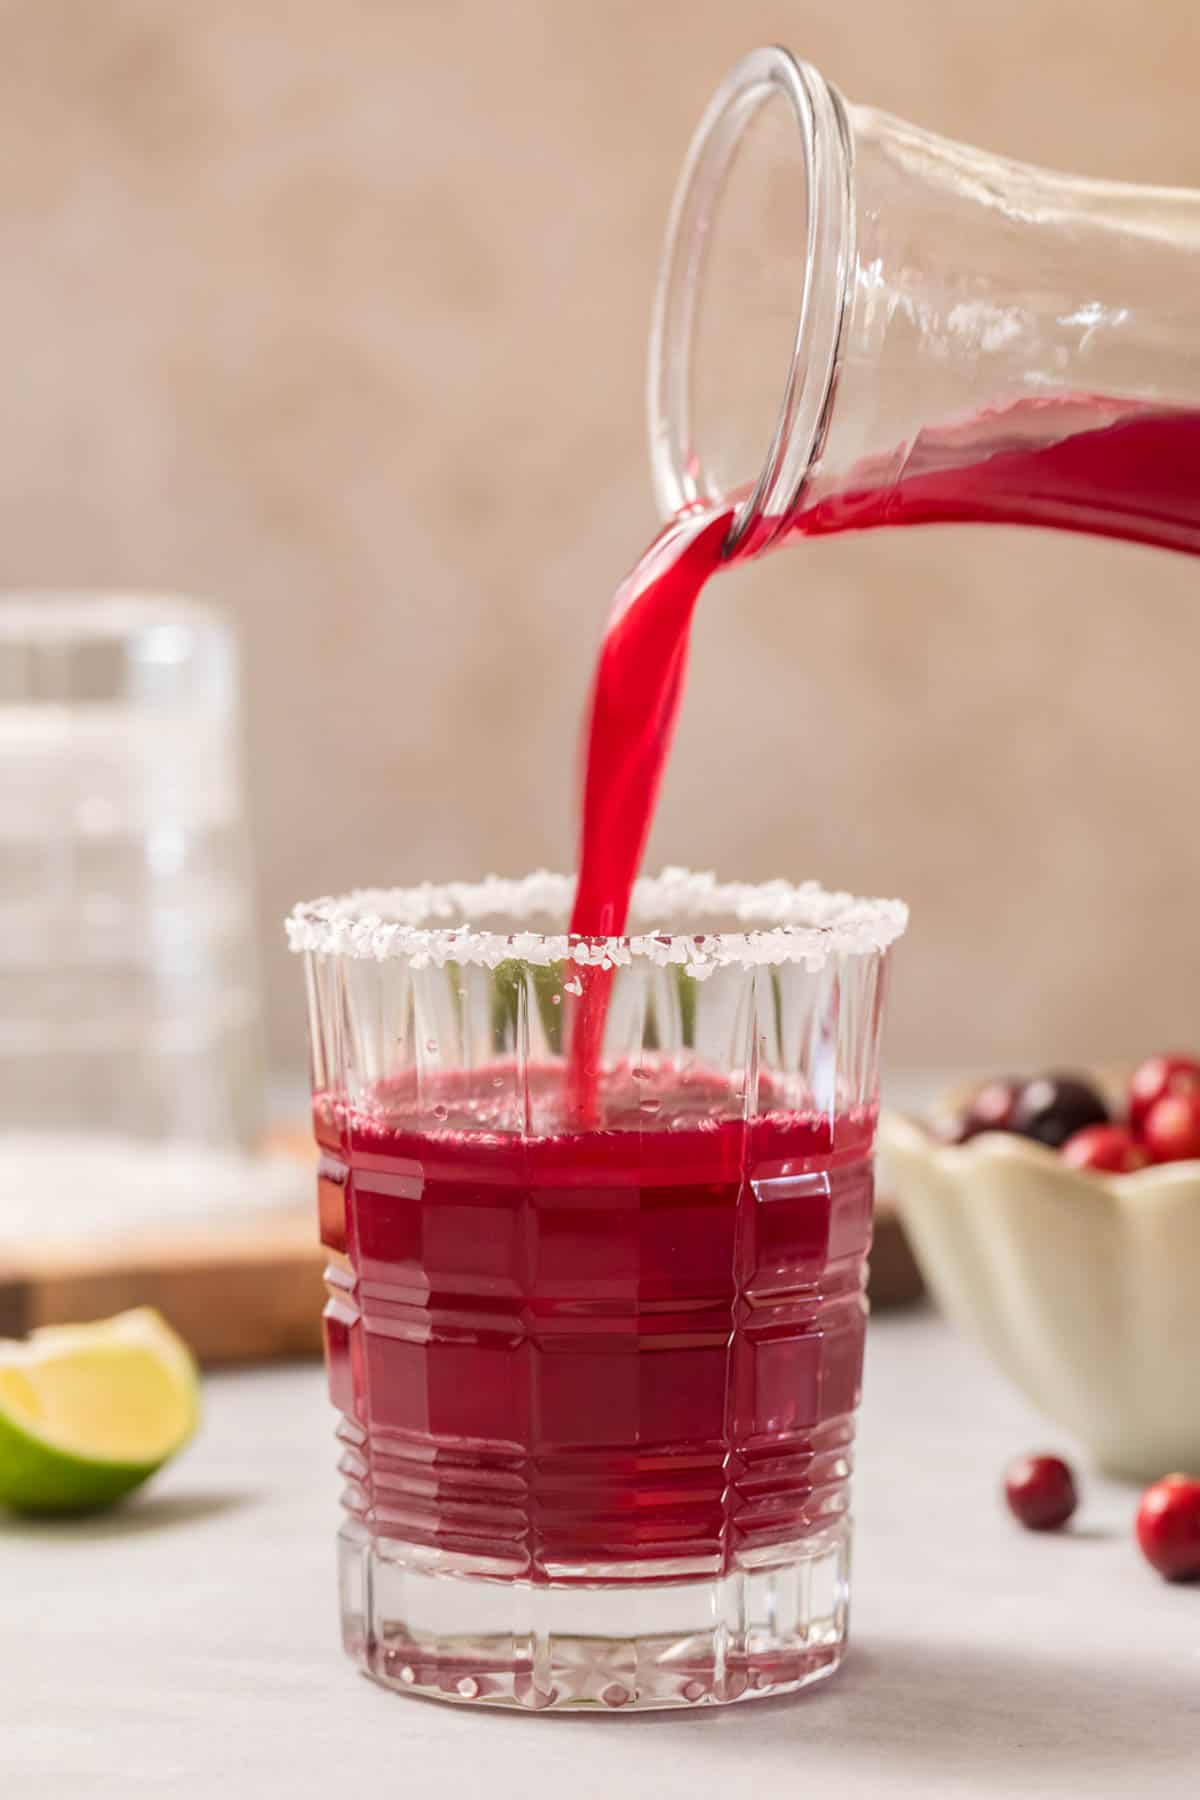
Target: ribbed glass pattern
597	1382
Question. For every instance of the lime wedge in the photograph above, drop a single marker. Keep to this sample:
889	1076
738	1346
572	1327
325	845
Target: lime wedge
87	1412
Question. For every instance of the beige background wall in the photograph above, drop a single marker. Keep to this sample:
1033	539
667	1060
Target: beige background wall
337	313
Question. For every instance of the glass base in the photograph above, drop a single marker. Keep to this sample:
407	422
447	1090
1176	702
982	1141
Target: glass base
617	1638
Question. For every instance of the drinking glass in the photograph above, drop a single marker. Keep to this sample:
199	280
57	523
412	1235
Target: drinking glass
595	1330
128	971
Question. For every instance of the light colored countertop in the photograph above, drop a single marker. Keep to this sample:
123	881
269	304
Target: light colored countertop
187	1647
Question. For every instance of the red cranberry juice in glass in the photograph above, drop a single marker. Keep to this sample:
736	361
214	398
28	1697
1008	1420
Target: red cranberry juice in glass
597	1381
656	1334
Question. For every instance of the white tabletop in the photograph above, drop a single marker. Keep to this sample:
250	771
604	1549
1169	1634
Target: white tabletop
187	1646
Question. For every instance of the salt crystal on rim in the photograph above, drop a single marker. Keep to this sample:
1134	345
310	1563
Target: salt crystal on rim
426	924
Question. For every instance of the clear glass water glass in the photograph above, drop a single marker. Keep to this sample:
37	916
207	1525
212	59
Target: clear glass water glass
595	1330
129	986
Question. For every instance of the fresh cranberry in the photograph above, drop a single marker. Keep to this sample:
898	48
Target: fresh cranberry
990	1109
1154	1079
1040	1491
1168	1527
1112	1148
1172	1129
1052	1108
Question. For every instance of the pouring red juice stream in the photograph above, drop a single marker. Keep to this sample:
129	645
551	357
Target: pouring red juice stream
1115	473
672	1428
1133	475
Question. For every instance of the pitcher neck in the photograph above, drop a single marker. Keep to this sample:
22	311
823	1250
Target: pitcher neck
813	140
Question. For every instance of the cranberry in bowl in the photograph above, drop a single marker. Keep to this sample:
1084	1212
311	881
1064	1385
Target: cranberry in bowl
1061	1229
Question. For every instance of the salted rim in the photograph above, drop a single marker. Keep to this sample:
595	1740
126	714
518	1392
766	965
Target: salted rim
432	924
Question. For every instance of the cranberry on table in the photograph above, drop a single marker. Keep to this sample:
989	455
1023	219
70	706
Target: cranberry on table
1111	1149
1052	1108
1171	1132
1168	1527
1154	1079
1040	1491
989	1109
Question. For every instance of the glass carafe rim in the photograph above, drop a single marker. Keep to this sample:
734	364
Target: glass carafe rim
807	384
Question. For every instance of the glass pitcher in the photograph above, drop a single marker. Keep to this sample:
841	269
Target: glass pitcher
860	323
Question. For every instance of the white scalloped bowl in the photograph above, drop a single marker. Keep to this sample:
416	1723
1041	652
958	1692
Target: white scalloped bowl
1085	1288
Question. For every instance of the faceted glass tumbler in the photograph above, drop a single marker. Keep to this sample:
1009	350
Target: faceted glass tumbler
129	980
598	1214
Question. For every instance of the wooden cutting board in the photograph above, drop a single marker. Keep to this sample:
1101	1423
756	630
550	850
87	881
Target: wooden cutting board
253	1292
244	1294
